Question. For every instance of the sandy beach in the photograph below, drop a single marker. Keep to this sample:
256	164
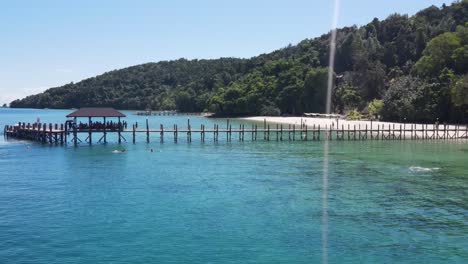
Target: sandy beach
361	124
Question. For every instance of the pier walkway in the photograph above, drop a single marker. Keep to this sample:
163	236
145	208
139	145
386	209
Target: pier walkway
59	134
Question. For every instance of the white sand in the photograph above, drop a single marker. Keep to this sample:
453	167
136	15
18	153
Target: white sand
342	123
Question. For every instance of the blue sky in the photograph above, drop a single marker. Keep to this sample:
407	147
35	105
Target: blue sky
49	43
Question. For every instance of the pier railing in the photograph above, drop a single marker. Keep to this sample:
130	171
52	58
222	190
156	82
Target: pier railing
58	133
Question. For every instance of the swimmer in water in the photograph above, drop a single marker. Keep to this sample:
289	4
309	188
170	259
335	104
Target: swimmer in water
152	150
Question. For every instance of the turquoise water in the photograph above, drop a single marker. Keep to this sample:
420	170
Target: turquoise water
250	202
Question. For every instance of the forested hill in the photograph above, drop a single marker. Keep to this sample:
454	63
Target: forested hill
412	68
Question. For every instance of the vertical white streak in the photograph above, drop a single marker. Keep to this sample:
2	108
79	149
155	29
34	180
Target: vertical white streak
325	204
331	67
331	61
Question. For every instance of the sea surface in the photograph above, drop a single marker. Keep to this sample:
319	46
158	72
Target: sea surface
230	202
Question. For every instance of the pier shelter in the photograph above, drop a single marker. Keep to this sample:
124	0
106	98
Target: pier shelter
91	127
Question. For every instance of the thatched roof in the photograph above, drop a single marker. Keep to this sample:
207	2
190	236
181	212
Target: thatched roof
96	112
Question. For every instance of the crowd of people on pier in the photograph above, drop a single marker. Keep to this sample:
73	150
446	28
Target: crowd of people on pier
109	125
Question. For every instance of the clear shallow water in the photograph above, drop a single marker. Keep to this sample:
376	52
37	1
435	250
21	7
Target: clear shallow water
260	202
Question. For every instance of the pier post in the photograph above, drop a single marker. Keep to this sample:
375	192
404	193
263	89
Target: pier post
243	132
252	133
147	131
359	127
313	132
294	132
66	133
411	131
90	124
389	132
281	136
256	127
239	132
105	131
445	131
342	132
55	133
119	129
348	132
61	134
277	132
268	136
203	133
428	130
43	133
305	135
382	137
133	133
423	132
75	134
354	133
189	132
161	133
319	131
50	133
214	133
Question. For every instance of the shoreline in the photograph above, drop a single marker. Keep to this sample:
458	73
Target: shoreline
297	120
338	124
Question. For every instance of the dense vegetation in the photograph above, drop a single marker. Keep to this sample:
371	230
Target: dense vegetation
412	68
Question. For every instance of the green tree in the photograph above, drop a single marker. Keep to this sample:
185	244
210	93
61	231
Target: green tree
459	95
375	108
354	114
347	97
437	55
288	99
414	99
184	101
315	90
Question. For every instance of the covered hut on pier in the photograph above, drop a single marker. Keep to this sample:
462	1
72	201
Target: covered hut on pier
90	126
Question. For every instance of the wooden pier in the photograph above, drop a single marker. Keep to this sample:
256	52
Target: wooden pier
59	134
45	133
